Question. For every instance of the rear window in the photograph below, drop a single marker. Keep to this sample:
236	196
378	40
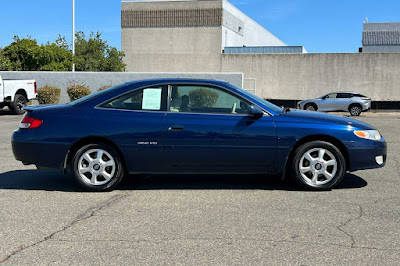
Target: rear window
96	94
359	95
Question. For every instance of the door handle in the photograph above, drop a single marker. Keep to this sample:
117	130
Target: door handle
175	128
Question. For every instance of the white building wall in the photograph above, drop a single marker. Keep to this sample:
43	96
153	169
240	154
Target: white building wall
252	33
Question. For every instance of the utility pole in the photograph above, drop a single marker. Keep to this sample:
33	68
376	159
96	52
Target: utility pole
73	34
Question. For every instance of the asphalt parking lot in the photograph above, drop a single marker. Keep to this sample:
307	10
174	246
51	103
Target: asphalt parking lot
200	220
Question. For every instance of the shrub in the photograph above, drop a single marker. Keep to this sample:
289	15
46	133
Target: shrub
76	92
104	87
48	95
203	97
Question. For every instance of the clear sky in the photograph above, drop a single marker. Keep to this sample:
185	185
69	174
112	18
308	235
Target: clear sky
332	26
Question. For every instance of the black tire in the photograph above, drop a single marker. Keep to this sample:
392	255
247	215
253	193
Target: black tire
18	104
305	182
355	110
116	175
310	107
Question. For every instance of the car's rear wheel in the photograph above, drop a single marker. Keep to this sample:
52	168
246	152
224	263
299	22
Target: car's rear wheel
355	110
97	167
310	107
18	104
318	165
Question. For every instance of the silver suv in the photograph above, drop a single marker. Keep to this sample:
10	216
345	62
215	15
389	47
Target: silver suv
352	102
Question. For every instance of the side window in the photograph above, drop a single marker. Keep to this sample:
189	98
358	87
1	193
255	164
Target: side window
331	96
151	99
344	95
204	99
358	95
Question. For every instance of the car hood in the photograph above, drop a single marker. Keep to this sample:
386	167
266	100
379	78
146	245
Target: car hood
300	116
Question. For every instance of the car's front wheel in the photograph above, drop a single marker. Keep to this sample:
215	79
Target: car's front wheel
97	167
310	107
318	165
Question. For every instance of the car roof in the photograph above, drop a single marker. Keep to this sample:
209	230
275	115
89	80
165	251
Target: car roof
353	92
179	80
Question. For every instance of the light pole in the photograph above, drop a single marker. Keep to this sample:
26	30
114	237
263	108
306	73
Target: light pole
73	35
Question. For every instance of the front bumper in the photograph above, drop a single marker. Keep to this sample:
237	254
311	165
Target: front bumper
299	105
367	155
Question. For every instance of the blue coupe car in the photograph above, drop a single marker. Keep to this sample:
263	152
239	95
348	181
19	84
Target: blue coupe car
184	126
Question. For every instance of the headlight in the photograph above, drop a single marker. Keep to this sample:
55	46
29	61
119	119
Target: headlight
368	134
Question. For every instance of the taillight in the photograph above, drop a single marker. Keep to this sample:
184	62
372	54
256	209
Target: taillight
35	87
29	122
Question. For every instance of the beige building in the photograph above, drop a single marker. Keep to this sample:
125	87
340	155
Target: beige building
186	35
214	36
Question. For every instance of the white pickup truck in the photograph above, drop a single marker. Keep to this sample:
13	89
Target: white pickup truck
16	93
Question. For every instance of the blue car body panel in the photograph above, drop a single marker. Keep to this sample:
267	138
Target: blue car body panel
201	143
220	141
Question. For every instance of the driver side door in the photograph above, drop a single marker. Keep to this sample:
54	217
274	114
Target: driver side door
209	129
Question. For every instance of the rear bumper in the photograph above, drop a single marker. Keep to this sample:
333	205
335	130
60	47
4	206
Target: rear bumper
367	156
43	154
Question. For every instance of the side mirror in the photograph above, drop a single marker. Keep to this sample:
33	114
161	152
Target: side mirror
255	111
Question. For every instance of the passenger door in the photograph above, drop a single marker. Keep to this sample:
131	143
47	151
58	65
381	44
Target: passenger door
328	102
208	129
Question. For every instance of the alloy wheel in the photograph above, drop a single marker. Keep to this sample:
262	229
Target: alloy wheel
355	110
96	167
318	166
310	108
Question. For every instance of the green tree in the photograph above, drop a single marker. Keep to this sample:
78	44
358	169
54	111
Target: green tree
23	54
54	58
5	63
94	54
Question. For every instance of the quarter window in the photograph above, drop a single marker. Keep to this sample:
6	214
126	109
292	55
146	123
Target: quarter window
150	99
204	99
359	95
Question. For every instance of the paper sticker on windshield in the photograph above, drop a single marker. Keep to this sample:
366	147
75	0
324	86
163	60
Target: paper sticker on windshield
151	99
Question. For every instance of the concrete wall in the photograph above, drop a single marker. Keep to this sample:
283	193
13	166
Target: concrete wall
148	48
381	49
94	80
174	47
381	37
151	47
303	76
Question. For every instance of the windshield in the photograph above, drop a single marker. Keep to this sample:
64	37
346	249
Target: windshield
267	104
94	95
